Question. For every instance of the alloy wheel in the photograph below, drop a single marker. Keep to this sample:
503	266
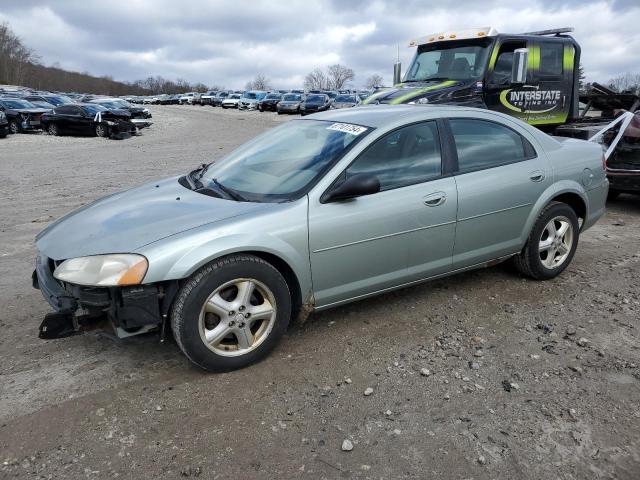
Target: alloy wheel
53	129
556	242
100	132
237	317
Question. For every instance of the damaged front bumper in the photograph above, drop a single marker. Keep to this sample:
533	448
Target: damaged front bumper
125	311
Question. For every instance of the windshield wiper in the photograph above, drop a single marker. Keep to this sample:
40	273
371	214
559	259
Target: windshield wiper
230	192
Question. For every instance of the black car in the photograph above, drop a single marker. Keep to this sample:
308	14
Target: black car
89	119
4	125
270	102
21	114
120	104
315	103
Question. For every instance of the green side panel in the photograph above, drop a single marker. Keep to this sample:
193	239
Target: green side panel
534	58
494	57
568	58
416	93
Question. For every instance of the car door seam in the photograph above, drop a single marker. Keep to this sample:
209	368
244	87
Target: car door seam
383	236
495	211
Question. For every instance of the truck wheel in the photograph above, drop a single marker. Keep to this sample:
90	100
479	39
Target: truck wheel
551	244
14	127
231	313
52	129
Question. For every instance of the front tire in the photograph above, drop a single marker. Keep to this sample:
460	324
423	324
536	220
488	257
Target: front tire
231	313
101	131
52	129
552	243
14	127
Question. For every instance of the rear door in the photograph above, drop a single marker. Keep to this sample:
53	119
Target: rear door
499	178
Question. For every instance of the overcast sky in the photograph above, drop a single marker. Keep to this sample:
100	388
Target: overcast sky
227	42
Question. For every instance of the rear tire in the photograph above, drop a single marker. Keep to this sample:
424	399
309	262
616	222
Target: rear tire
52	129
217	327
551	244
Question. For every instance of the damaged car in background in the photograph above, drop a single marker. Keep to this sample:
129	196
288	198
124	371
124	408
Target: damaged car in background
22	115
4	125
139	115
365	200
89	119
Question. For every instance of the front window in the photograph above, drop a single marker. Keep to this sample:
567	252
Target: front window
17	104
315	98
291	98
453	61
281	164
272	96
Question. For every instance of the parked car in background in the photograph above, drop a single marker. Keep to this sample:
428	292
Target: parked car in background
4	125
345	101
218	98
270	102
362	94
42	104
207	97
89	119
249	100
290	103
119	103
231	101
54	100
187	98
317	102
21	114
364	201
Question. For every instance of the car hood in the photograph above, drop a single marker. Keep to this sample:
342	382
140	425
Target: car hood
30	110
290	102
126	221
410	92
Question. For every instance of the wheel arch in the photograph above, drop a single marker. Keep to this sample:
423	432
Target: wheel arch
568	192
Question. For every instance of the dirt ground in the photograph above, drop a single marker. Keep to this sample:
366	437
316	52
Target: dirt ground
482	375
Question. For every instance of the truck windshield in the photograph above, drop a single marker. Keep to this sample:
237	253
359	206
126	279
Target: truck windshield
449	61
280	164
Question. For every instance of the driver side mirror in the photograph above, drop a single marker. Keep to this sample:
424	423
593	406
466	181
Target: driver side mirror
352	187
519	68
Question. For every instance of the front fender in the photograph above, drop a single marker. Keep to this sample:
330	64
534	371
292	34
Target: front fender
557	188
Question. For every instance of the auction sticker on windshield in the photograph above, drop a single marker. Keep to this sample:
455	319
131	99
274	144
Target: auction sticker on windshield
347	128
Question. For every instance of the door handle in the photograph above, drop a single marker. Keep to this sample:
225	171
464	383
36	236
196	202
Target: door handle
435	199
537	176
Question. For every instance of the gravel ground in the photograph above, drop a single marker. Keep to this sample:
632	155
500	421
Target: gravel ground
482	375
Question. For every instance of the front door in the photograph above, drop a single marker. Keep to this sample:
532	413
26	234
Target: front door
402	233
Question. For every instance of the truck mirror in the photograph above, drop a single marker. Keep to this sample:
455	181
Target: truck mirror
519	69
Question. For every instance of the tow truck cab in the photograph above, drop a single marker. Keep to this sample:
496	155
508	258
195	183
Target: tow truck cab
532	76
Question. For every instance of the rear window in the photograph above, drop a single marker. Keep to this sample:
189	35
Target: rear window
482	144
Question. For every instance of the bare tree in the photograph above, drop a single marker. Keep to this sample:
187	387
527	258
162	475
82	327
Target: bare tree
374	81
338	76
626	82
316	80
261	82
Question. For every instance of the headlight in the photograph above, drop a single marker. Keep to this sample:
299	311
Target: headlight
103	270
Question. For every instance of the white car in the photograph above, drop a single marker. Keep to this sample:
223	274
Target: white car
187	98
231	101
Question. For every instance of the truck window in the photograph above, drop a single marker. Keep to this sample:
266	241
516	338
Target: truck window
551	58
504	62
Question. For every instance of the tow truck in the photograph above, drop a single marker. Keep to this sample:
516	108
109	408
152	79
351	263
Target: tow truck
532	76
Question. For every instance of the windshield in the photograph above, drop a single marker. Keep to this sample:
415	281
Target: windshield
315	98
272	96
250	96
281	163
345	99
58	100
18	104
93	109
292	98
454	61
234	96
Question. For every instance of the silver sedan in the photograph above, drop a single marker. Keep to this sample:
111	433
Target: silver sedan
318	212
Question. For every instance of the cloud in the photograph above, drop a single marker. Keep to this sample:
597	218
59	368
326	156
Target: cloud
228	42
